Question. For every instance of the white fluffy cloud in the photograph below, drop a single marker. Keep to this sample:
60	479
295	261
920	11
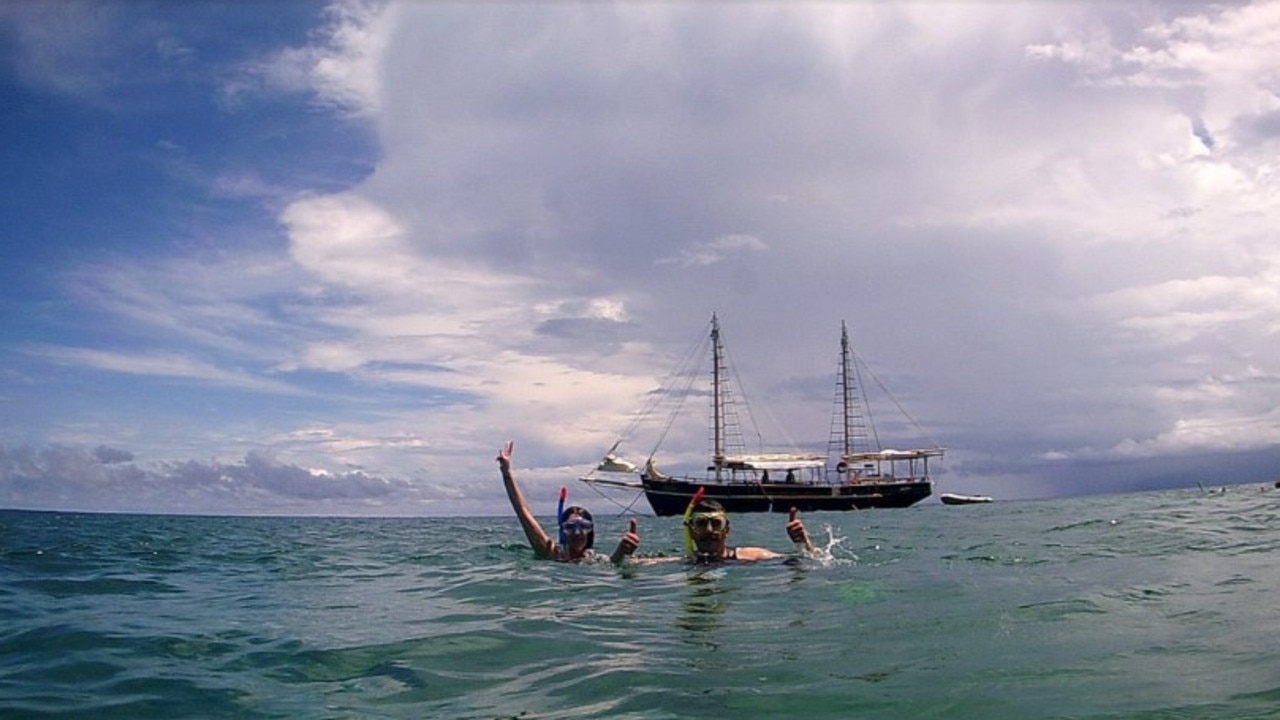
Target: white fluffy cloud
1049	224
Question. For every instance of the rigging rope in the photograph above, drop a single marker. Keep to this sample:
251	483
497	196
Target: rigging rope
664	393
859	362
689	369
781	428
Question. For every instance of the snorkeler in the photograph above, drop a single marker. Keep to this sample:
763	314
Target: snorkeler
707	531
577	529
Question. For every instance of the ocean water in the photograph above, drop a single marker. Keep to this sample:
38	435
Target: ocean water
1152	605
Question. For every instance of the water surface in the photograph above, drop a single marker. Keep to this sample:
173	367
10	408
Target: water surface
1152	605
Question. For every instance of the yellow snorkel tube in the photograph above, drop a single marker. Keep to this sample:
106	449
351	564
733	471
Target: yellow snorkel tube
689	547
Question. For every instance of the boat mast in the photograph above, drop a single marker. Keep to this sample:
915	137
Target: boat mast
850	421
717	401
846	385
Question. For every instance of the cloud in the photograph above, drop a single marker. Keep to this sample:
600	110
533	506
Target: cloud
66	49
340	67
1179	311
349	242
713	251
1204	435
163	365
108	479
1049	225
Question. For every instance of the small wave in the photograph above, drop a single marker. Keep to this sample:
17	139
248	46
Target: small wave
1055	610
64	588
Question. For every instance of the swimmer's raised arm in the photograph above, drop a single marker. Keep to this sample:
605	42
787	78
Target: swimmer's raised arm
542	544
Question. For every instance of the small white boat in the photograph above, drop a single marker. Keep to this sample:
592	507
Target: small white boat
954	499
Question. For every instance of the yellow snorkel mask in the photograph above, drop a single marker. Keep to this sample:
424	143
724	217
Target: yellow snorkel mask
709	523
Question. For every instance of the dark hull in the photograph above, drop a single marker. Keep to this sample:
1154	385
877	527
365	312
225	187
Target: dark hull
670	496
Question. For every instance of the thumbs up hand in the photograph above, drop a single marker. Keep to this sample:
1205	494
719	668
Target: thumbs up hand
797	532
628	544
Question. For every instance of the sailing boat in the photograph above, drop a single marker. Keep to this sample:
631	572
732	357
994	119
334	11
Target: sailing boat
872	475
777	482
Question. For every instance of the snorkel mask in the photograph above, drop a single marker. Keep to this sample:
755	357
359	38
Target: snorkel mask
576	526
709	523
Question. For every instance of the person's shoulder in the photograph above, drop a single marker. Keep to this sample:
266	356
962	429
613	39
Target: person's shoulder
754	553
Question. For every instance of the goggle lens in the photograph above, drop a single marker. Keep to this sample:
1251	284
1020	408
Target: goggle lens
577	526
709	523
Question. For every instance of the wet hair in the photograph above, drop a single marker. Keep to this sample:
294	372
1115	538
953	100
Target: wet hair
708	506
583	513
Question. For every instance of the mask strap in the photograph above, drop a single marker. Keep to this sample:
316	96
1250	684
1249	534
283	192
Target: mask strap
689	547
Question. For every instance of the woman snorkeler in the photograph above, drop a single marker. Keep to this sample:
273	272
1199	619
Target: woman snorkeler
577	529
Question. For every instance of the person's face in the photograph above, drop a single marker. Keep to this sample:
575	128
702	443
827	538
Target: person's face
576	530
709	531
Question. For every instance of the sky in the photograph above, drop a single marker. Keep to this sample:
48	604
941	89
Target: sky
325	258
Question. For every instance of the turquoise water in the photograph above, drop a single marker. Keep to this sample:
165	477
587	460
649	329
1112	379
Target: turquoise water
1154	605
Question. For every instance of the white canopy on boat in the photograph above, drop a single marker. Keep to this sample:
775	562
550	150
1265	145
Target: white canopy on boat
891	455
775	461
